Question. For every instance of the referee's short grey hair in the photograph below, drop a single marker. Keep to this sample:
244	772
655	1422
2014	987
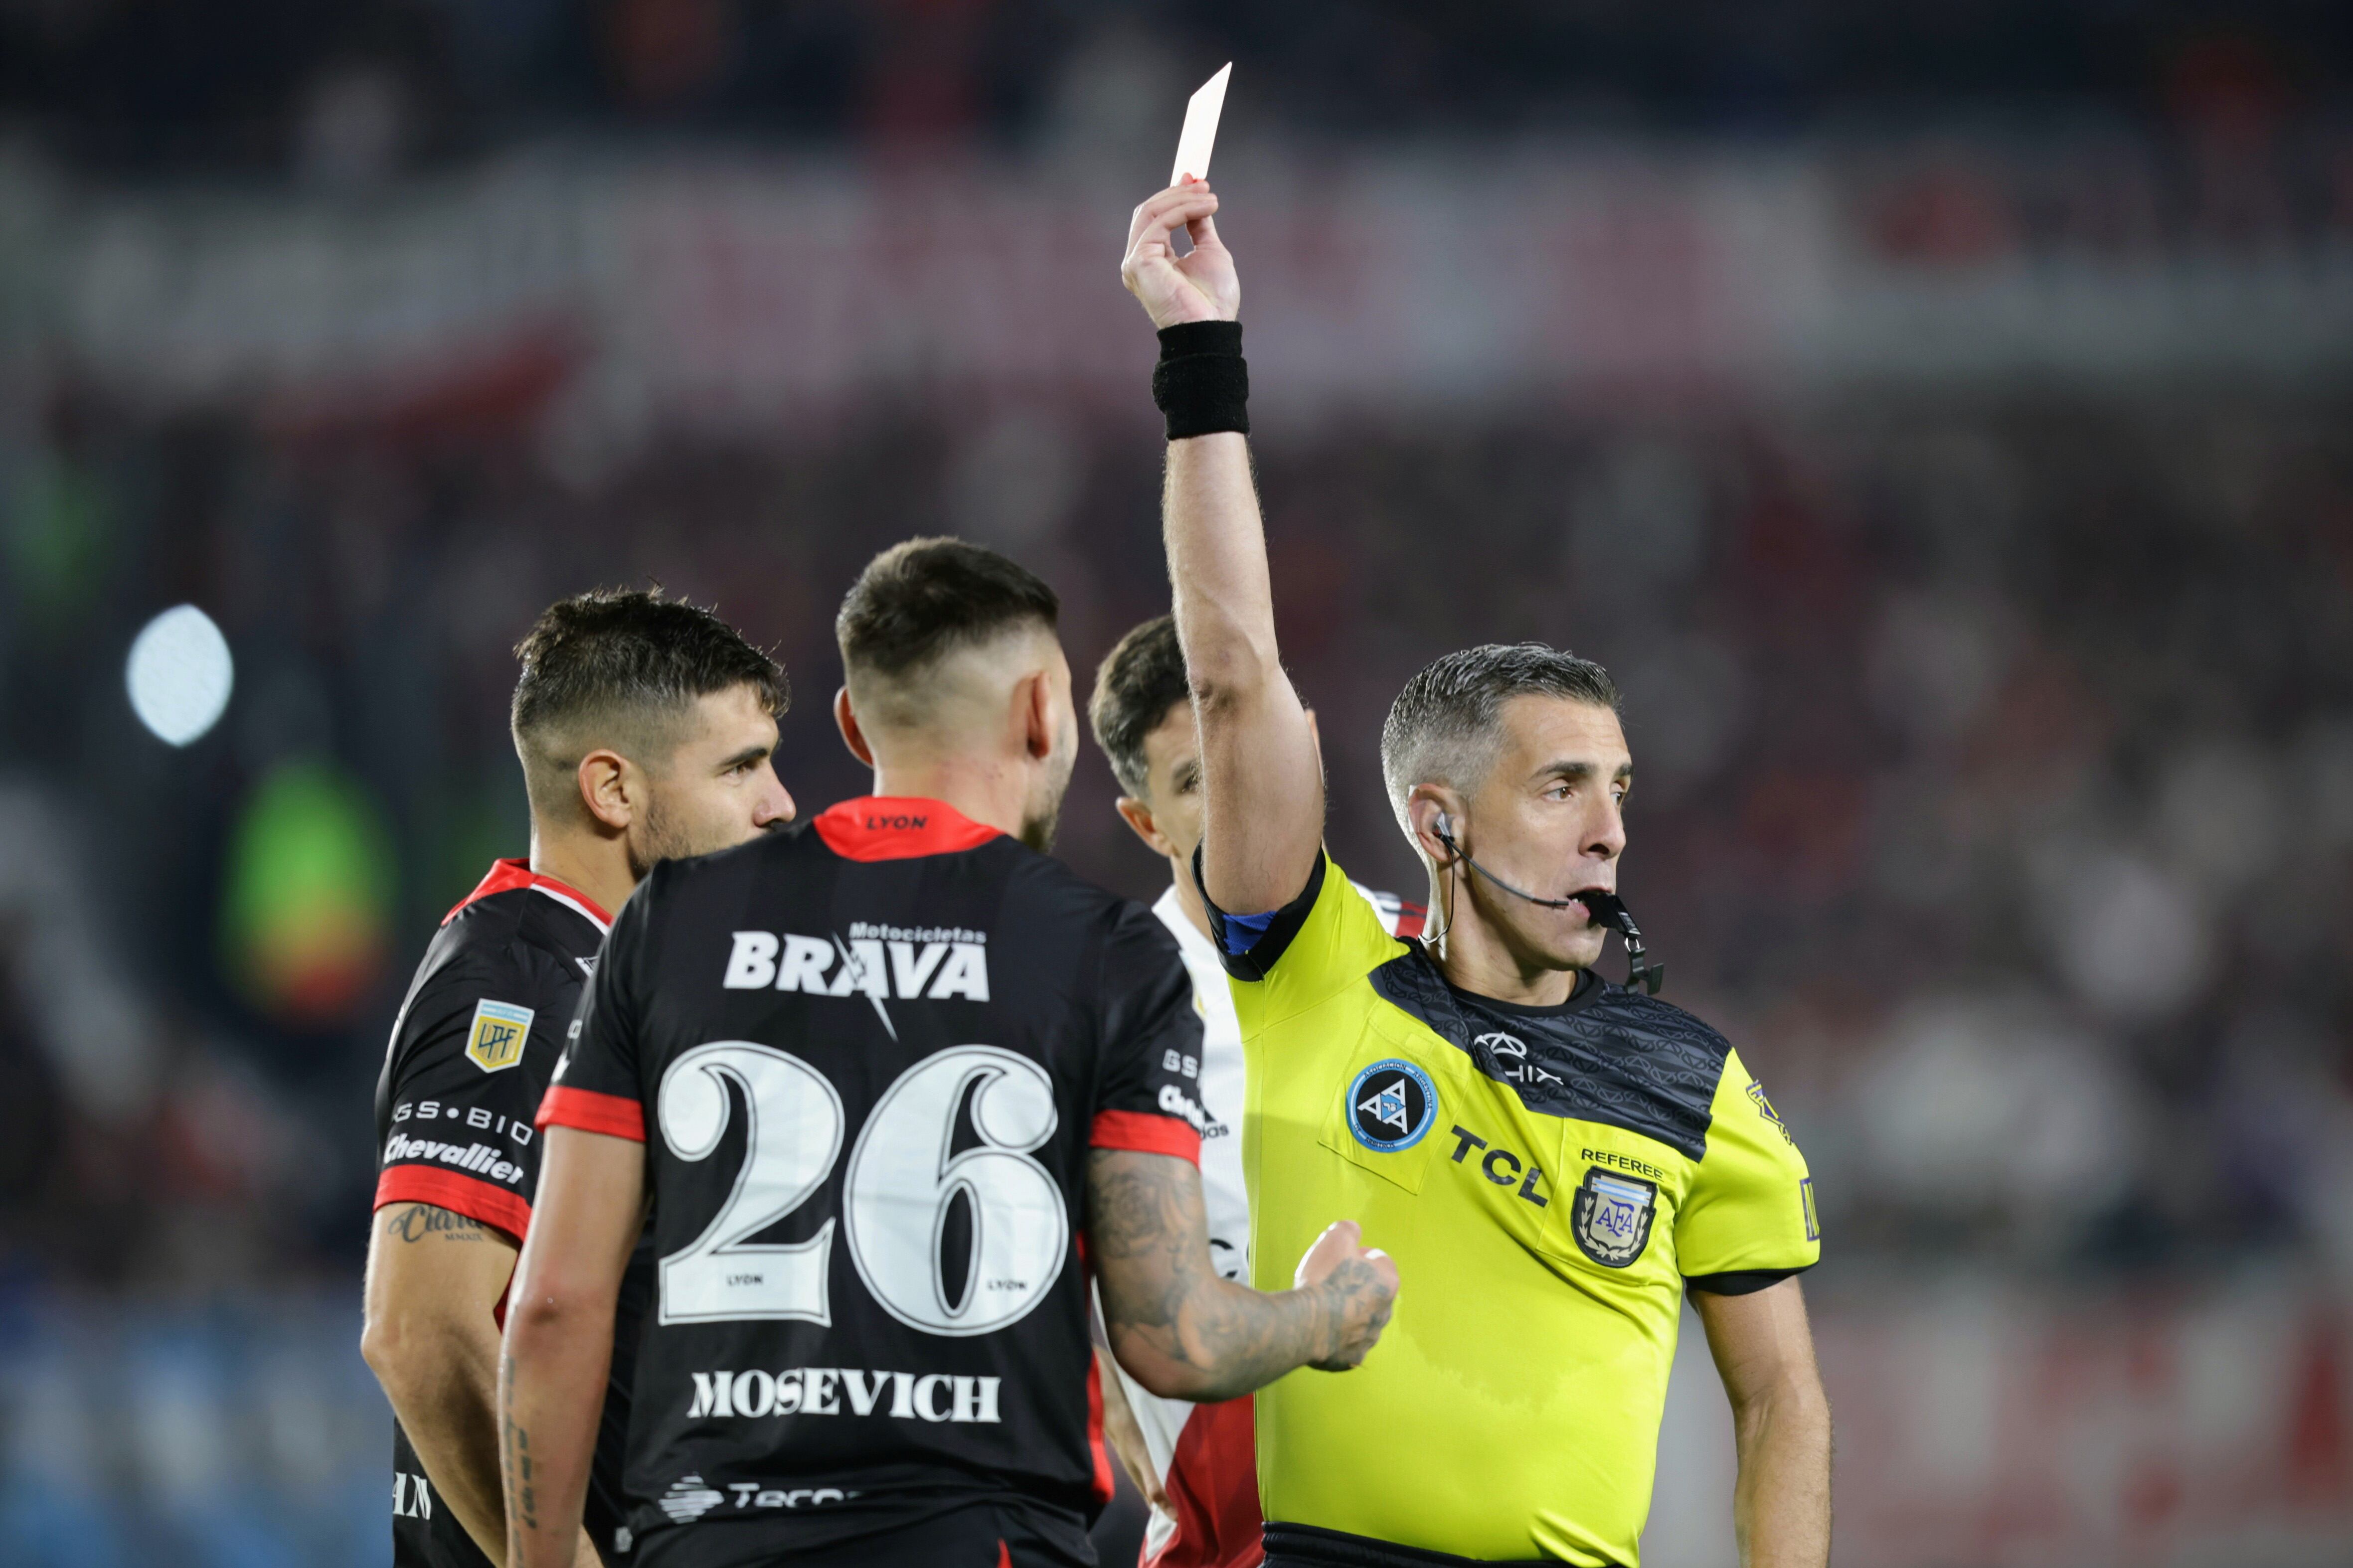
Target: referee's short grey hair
1446	726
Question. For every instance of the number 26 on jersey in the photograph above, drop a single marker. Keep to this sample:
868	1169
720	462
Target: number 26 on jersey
908	1180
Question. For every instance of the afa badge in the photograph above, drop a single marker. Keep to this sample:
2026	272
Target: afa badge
1612	1216
495	1042
1391	1105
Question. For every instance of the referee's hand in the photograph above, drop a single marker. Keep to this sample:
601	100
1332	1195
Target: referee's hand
1201	287
1359	1285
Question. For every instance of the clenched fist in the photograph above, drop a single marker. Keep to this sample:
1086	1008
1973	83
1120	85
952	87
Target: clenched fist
1200	286
1358	1287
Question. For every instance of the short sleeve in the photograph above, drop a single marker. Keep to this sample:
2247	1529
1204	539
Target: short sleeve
1148	1081
1749	1219
1291	958
460	1132
595	1087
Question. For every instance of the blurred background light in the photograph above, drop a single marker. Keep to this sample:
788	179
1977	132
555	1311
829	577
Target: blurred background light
306	926
179	675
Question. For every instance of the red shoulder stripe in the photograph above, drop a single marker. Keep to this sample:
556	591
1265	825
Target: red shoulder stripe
898	828
1144	1132
506	876
459	1193
614	1115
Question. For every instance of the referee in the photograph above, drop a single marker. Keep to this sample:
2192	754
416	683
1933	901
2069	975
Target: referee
1568	1156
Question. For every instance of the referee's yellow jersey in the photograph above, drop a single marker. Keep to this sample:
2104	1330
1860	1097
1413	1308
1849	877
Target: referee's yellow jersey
1550	1181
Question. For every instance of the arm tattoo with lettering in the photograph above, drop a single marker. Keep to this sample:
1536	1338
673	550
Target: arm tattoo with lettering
522	1507
422	1222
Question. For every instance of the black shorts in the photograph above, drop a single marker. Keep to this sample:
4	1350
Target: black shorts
981	1535
1306	1546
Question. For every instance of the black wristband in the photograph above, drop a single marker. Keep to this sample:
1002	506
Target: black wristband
1202	382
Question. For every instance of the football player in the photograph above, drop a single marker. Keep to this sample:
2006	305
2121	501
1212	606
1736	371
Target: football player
646	727
895	1083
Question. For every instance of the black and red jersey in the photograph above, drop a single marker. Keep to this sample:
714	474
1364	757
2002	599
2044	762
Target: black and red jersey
868	1056
473	1048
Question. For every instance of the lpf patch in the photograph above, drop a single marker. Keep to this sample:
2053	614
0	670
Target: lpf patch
1391	1105
1612	1216
501	1028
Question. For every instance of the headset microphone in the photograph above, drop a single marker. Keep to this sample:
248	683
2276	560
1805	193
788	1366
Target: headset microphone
1606	909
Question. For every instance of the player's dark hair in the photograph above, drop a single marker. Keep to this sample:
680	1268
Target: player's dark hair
925	599
620	667
1444	727
1135	686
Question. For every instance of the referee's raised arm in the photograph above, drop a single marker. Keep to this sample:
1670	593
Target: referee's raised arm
1262	781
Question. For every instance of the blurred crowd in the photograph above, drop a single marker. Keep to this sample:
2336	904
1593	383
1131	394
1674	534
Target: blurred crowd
351	92
1995	755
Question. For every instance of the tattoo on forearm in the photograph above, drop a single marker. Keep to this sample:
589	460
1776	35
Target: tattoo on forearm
515	1444
421	1222
1343	1290
1147	1212
1141	1215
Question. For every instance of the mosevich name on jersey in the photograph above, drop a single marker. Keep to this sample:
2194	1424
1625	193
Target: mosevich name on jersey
882	968
844	1391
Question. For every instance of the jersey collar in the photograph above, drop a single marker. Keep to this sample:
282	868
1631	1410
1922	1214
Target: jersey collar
1171	911
898	828
506	876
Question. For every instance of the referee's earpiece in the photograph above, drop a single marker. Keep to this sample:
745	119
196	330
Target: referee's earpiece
1444	827
1603	908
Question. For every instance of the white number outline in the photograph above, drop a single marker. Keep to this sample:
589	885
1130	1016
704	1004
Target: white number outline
989	1065
808	1265
722	1060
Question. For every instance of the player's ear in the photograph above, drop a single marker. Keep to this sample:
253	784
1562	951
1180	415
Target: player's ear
606	789
1034	707
1138	815
845	718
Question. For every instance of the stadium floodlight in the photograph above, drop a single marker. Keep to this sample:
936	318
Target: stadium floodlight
179	674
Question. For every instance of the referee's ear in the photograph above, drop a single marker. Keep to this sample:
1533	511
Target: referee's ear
1433	808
